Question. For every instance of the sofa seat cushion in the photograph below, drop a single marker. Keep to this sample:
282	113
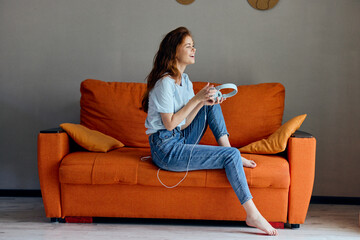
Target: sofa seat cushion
124	166
117	166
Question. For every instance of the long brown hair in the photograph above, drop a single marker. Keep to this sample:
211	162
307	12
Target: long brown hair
164	61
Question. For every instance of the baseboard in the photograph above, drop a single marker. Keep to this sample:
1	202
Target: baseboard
19	193
314	199
335	200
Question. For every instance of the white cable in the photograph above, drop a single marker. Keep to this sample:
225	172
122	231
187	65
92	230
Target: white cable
187	167
145	158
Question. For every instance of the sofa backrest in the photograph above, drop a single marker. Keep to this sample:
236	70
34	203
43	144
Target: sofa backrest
113	108
254	113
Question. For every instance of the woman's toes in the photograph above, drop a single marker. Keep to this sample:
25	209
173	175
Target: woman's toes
261	223
248	163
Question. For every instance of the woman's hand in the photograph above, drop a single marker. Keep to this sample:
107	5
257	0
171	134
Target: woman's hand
206	94
218	101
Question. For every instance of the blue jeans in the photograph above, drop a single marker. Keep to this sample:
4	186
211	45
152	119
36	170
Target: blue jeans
171	150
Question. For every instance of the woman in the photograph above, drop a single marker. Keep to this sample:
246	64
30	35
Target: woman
177	119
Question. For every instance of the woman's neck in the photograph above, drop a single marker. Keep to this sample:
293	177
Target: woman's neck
181	68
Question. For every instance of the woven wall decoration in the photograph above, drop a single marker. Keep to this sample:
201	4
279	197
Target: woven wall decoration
263	4
185	2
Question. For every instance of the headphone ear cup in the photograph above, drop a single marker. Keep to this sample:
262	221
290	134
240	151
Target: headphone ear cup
218	95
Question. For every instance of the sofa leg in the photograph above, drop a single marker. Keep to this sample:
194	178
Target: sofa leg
295	226
79	219
58	220
279	225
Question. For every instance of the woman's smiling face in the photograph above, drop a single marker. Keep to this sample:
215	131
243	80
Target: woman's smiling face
185	53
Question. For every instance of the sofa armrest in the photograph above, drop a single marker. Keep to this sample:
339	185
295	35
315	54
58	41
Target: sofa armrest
52	147
52	130
301	134
301	156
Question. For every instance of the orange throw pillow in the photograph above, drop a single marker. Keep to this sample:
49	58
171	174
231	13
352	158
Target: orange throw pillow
277	141
91	140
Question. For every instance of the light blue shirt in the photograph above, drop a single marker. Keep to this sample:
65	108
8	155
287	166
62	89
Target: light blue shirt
167	97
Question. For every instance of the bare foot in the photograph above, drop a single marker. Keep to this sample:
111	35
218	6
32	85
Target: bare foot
260	222
248	163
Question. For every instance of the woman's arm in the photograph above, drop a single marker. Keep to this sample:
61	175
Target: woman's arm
171	120
189	111
194	112
192	115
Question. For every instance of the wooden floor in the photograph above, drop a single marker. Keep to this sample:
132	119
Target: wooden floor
24	218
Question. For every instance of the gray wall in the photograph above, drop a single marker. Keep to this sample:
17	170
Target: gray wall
48	47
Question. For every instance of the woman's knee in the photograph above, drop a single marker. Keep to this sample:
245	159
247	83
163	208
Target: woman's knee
234	156
215	107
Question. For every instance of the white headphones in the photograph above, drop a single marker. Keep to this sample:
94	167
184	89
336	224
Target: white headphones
218	94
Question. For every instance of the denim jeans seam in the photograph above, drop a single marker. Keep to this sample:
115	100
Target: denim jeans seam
161	160
245	195
195	156
240	186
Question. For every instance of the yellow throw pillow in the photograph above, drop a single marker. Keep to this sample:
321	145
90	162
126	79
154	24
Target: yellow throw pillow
277	141
91	140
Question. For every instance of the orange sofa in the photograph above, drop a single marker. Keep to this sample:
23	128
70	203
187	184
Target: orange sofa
78	183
